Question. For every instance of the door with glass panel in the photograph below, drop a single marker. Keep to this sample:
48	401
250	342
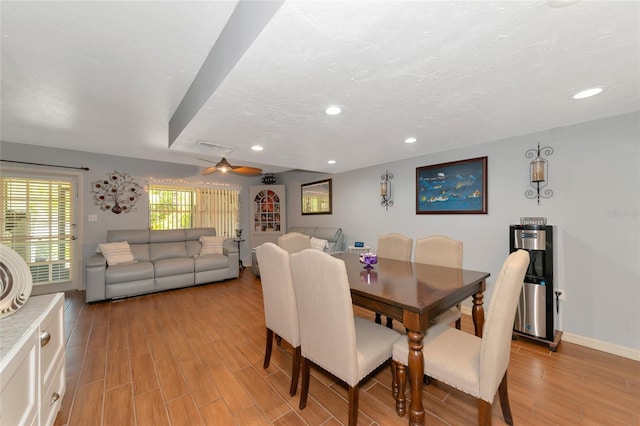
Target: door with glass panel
38	222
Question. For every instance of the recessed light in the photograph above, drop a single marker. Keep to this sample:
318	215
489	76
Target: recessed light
561	3
257	148
587	93
331	161
333	110
410	140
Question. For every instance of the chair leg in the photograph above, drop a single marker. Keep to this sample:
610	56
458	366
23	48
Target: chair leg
353	405
278	340
378	319
389	322
504	400
394	379
267	349
426	380
305	383
295	371
459	320
401	400
484	413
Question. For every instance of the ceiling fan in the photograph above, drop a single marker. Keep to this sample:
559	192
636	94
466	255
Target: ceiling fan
224	167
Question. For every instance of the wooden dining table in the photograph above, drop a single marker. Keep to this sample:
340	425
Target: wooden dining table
414	293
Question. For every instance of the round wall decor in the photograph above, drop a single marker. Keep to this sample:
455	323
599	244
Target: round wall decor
15	281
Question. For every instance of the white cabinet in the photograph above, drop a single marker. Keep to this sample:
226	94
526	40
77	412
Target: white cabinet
268	213
32	368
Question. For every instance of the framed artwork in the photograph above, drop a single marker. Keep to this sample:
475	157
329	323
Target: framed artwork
457	187
316	197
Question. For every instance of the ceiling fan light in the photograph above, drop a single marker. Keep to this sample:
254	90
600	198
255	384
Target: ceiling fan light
223	165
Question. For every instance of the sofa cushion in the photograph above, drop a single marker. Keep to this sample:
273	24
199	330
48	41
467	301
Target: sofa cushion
210	262
116	252
124	272
175	266
319	244
159	251
211	245
133	236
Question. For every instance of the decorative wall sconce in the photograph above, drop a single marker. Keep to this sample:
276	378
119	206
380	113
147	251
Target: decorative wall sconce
385	189
538	173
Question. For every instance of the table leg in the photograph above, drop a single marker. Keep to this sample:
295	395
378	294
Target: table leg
477	313
416	371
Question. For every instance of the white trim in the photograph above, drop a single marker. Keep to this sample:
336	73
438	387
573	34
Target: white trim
588	342
602	346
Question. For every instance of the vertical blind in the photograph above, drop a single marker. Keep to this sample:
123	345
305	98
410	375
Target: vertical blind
36	223
176	207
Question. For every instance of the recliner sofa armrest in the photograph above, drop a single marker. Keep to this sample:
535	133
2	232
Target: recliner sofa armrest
95	278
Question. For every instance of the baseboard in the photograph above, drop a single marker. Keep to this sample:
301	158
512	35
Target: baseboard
588	342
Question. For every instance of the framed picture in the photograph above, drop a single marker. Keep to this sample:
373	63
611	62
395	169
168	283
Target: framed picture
458	187
316	197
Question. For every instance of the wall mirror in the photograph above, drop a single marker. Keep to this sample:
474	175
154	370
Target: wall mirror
316	197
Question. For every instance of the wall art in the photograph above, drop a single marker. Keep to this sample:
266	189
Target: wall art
455	187
118	193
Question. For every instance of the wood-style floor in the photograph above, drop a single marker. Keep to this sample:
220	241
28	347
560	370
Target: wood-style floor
194	356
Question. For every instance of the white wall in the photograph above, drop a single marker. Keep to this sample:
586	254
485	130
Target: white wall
594	173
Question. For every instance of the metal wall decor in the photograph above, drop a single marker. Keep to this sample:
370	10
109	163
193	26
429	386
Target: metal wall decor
118	193
385	189
538	172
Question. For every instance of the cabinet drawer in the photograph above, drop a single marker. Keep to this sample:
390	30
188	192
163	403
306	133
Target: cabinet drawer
52	397
51	344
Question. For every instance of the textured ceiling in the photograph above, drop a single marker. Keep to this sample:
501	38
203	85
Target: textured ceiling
109	76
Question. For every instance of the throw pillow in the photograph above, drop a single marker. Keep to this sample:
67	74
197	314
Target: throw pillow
118	252
211	245
318	243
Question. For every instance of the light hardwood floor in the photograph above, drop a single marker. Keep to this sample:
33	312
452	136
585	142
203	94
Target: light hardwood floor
194	356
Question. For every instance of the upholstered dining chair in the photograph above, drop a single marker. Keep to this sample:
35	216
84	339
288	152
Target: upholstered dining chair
294	242
333	338
442	251
280	309
474	365
393	246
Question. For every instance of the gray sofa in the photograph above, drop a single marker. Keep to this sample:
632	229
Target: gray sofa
334	237
163	260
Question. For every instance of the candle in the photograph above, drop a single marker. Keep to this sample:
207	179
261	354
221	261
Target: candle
383	189
537	170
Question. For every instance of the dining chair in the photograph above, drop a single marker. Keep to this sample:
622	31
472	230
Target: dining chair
333	338
294	242
280	309
474	365
442	251
393	246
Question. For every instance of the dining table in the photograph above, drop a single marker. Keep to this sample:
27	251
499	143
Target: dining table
414	293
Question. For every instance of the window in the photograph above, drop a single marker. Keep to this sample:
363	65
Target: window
36	223
174	207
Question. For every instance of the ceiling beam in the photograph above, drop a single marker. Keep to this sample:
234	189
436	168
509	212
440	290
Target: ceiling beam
247	21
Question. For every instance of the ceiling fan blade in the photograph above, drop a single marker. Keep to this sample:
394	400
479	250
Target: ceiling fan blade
245	170
209	170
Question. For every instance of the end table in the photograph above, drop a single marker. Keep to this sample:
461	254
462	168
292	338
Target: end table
239	240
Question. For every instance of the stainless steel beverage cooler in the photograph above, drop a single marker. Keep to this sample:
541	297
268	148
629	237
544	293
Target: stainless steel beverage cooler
534	316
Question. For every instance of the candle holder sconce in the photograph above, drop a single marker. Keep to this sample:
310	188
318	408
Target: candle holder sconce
385	189
538	172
